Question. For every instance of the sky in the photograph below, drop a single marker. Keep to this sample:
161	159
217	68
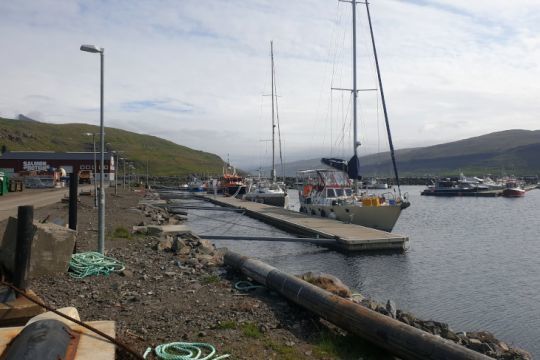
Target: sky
197	72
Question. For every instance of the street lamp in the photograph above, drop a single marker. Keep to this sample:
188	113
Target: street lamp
101	204
93	135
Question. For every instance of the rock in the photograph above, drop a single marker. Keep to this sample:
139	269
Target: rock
263	328
201	334
206	247
165	244
180	247
153	230
170	273
126	273
391	308
327	282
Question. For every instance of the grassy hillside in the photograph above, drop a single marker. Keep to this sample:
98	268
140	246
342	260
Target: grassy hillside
165	157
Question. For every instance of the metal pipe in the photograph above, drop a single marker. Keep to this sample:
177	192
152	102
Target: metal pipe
25	236
101	210
73	185
95	171
399	338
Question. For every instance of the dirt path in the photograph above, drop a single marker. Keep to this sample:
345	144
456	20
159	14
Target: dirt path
36	197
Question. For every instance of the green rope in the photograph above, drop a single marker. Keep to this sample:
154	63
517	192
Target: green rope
185	351
92	263
246	286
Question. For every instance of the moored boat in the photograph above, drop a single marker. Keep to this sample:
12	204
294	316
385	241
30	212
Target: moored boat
513	189
334	193
329	193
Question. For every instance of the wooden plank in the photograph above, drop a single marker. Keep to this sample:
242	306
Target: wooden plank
347	236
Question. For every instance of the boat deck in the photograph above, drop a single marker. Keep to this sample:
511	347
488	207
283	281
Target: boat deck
349	237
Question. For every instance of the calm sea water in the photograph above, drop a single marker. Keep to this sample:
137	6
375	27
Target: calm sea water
474	262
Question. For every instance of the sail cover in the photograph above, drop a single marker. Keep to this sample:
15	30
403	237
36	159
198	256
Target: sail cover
339	164
352	168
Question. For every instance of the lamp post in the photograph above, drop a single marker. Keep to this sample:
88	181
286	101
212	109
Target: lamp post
101	204
95	167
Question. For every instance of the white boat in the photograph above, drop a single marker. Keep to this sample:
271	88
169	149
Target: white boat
334	192
269	191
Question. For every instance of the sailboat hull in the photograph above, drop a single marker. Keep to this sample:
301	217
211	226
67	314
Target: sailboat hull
376	217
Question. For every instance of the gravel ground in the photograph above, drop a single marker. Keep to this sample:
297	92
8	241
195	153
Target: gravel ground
162	297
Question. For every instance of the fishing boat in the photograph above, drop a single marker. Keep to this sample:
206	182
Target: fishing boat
333	193
231	184
513	189
196	185
269	191
448	187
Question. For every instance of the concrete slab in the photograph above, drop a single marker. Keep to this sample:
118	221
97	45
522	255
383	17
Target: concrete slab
51	248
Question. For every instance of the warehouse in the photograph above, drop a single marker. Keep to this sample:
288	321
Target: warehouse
46	161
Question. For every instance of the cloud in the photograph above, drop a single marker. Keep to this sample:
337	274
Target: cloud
195	72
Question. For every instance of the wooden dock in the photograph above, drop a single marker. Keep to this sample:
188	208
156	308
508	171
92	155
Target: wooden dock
348	237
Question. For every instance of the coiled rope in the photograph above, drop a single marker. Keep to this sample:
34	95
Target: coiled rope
92	263
185	351
246	286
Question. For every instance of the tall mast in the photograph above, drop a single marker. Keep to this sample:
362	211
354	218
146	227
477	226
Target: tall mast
273	174
355	90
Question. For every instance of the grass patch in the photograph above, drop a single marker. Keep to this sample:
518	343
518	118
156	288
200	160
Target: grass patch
121	232
251	330
210	279
229	324
285	352
346	347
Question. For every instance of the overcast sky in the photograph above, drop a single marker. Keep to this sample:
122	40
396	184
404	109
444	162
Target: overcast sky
195	71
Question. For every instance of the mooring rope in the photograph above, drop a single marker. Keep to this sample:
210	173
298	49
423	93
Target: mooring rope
92	263
185	351
246	286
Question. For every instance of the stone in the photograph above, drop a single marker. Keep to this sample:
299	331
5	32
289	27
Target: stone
327	282
51	250
391	308
206	247
126	273
165	244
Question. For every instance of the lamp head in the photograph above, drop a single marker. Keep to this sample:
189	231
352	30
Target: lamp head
91	48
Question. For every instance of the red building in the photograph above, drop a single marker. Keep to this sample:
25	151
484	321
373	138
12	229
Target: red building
19	161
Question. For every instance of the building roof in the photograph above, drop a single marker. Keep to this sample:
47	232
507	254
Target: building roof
50	155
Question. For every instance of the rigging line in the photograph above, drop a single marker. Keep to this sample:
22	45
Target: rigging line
226	222
337	74
390	143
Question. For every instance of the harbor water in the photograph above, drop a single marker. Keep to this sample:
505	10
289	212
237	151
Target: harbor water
474	263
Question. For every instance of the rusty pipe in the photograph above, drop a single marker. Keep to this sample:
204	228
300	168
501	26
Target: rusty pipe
396	337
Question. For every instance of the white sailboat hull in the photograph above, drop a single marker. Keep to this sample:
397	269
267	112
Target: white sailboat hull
275	199
376	217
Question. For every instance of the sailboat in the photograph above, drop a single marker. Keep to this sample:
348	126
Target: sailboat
269	191
333	192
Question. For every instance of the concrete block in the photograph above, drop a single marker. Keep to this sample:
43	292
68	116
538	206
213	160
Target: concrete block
51	248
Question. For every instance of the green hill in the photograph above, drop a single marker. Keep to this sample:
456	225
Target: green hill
511	151
165	157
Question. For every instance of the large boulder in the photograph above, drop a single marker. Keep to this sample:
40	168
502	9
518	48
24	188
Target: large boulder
327	282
